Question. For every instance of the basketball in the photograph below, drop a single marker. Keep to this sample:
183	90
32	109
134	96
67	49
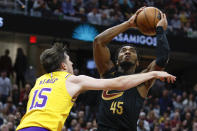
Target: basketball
147	20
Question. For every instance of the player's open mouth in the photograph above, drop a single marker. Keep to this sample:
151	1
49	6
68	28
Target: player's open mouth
127	57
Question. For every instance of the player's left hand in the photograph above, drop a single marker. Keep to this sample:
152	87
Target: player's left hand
132	20
163	22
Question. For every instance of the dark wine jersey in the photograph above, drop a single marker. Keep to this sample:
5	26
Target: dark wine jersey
119	110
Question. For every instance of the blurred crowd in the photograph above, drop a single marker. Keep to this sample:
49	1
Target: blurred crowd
167	108
181	14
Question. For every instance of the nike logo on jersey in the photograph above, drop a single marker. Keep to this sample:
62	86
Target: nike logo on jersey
110	96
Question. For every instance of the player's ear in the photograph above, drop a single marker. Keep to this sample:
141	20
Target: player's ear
63	66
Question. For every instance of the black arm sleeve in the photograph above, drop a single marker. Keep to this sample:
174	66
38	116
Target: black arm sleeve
163	49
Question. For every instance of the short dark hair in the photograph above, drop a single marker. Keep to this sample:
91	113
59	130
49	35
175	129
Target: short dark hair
117	52
52	58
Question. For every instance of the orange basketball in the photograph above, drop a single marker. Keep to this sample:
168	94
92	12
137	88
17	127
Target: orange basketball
147	20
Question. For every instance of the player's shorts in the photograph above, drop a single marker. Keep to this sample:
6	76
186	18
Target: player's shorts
33	129
105	128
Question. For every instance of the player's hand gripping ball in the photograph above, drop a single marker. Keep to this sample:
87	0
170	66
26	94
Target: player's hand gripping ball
147	20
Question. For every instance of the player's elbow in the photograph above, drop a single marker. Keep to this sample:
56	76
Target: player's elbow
97	41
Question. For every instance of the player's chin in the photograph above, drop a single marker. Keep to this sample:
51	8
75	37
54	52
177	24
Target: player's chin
130	61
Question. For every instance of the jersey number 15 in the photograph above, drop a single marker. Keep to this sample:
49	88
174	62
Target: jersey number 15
40	97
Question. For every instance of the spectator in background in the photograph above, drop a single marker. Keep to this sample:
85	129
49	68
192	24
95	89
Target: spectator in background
177	103
166	125
183	16
143	125
175	23
165	102
30	75
64	128
4	127
73	124
94	125
188	29
176	121
20	67
55	6
94	17
11	118
40	8
194	124
68	8
187	122
125	6
195	92
189	102
9	107
151	118
88	126
5	86
103	4
91	4
184	97
24	98
15	94
10	126
6	63
78	4
105	19
81	14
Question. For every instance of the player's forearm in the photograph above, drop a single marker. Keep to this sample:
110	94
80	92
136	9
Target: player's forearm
130	81
163	48
106	36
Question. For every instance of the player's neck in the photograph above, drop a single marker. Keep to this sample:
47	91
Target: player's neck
128	71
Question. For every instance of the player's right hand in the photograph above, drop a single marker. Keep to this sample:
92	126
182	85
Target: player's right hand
164	76
132	20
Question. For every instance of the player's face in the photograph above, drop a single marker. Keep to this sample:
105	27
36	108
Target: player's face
69	64
127	54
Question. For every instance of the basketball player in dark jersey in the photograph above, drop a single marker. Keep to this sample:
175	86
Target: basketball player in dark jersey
119	110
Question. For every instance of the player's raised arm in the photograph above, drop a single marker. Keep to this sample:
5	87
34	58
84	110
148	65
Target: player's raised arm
162	54
162	49
119	83
101	51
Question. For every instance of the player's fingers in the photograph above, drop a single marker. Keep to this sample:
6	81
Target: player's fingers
140	9
161	13
168	79
164	15
173	79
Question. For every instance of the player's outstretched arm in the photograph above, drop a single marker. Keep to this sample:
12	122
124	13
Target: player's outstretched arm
119	83
100	50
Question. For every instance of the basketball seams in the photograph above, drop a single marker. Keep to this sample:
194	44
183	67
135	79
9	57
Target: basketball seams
146	21
154	20
146	17
142	24
145	28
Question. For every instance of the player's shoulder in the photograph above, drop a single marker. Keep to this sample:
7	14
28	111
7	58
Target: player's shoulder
76	79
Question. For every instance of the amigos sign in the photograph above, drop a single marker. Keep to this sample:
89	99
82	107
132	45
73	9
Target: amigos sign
136	39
